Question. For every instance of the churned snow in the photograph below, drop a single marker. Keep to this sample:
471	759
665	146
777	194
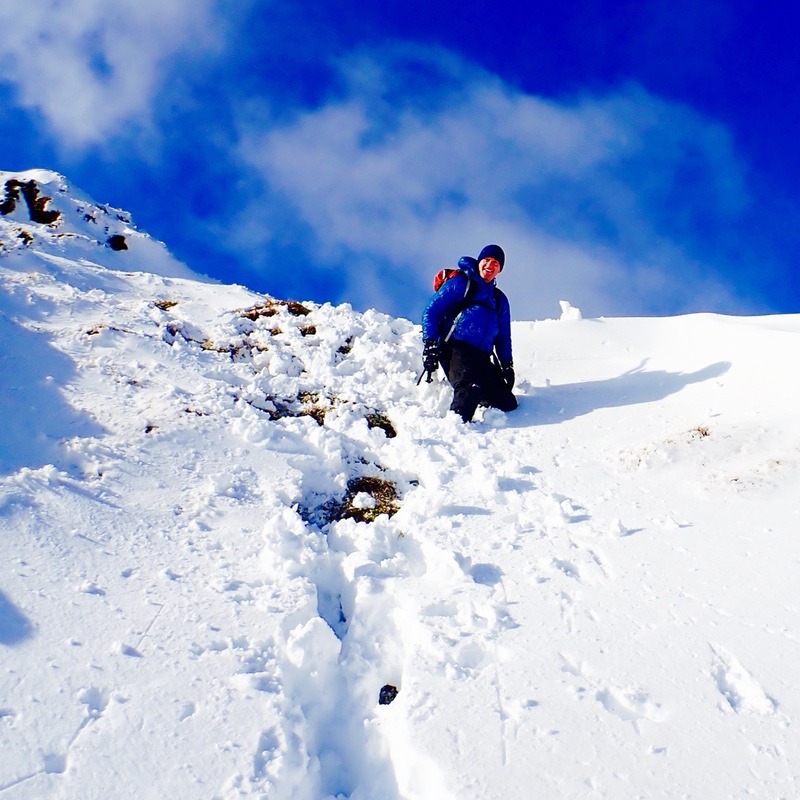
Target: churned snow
246	556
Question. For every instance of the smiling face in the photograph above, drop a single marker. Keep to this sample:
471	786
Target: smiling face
488	269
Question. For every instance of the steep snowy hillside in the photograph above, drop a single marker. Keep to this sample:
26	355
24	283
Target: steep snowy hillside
245	556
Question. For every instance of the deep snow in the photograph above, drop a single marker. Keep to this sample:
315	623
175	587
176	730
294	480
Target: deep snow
592	597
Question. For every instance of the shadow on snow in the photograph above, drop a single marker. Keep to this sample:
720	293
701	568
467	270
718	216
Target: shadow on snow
14	625
553	404
34	415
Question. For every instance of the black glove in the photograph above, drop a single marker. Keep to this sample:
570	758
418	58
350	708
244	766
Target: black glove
430	357
507	371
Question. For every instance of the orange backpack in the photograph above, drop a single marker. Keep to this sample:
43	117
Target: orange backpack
444	275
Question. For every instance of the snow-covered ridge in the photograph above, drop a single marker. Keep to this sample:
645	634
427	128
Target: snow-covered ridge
246	556
40	213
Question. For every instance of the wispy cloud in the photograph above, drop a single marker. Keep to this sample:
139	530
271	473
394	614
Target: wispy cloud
421	157
89	67
414	157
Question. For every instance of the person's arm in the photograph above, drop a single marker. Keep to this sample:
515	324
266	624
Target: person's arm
502	344
439	313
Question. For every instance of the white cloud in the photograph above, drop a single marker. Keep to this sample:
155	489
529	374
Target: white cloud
423	158
90	66
419	158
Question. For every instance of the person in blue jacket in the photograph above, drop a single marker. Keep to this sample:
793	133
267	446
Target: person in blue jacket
466	327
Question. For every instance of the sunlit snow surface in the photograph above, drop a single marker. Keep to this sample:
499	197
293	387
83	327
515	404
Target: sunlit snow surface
593	597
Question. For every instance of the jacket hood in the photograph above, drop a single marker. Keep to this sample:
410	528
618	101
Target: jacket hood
469	265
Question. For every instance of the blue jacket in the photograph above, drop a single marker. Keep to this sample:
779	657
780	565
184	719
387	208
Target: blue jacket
484	323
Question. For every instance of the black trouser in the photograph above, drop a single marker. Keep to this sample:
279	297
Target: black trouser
475	378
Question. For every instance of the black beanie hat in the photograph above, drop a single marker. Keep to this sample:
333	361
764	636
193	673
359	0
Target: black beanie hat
493	251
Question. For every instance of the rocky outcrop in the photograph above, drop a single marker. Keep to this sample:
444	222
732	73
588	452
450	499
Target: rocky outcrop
37	203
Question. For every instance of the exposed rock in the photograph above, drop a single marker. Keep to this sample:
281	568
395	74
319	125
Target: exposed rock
117	242
37	211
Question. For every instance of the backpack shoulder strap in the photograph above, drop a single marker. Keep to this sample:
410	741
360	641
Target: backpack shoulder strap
459	309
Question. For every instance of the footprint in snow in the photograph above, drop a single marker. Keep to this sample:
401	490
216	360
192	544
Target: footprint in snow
739	688
568	568
629	704
486	574
96	700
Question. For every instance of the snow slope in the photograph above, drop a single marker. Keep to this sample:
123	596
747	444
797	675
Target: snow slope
229	522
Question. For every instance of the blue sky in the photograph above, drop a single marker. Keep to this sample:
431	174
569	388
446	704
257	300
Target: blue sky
634	158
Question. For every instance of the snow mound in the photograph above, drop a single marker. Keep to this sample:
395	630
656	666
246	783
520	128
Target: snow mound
569	311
